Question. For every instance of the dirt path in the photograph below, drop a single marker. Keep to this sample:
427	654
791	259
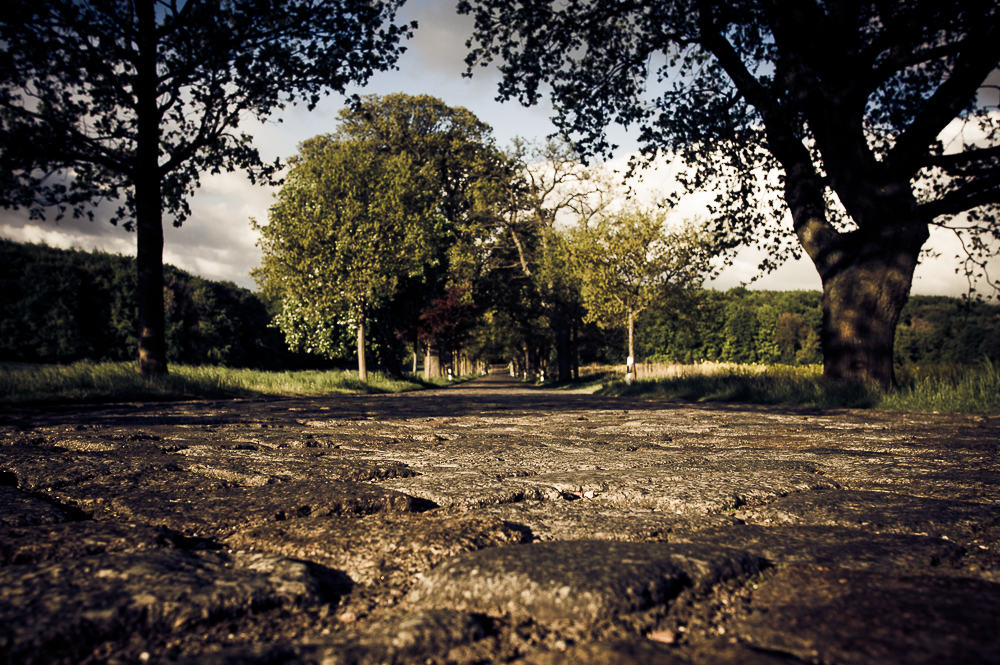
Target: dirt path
496	522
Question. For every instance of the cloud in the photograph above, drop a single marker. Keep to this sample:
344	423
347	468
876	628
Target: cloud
216	242
439	43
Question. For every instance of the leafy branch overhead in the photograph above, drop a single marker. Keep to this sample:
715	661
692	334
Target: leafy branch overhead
131	101
821	126
86	79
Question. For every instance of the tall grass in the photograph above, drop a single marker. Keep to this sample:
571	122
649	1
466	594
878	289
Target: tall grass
944	389
119	382
947	389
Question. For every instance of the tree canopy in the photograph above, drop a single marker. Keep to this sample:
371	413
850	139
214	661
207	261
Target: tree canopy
835	107
464	172
349	224
131	101
630	259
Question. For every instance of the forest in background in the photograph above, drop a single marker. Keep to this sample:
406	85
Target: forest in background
59	306
769	327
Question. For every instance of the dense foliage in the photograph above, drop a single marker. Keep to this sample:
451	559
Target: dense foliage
64	305
377	221
131	100
861	116
769	327
350	223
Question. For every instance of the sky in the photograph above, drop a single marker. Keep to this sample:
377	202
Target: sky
217	241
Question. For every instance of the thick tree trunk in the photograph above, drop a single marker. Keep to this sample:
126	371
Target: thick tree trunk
432	363
149	205
630	362
149	286
866	272
862	301
362	366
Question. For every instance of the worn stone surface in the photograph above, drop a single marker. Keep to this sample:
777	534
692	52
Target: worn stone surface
20	509
387	548
883	512
651	652
84	538
551	581
878	618
836	546
586	519
494	522
644	652
56	610
221	511
416	636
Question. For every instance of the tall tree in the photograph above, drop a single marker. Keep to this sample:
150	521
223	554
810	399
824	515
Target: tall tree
349	224
465	174
131	100
630	259
446	324
845	102
551	182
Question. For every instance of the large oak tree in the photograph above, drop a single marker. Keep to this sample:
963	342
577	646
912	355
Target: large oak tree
838	105
131	100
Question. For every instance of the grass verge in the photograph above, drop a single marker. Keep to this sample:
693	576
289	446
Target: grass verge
89	382
943	389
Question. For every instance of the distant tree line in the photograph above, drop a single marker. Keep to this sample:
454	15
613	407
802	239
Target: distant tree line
66	305
769	327
61	305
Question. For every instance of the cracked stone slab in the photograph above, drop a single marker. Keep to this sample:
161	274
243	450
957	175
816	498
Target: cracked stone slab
61	610
222	511
835	546
681	492
879	618
53	542
20	509
624	652
876	511
389	548
45	469
591	519
421	636
254	467
648	652
582	581
467	489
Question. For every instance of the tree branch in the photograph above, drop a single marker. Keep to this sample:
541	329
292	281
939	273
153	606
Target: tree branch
978	57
